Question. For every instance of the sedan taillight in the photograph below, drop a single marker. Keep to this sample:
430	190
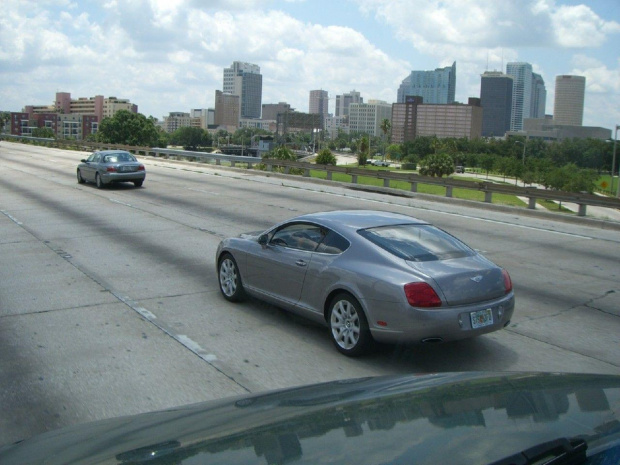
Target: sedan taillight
507	281
111	169
421	295
141	168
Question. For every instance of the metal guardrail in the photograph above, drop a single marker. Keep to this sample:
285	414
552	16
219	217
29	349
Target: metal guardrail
488	188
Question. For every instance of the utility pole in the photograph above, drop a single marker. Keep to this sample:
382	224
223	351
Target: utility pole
613	166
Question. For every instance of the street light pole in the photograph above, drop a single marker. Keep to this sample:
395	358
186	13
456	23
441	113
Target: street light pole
613	166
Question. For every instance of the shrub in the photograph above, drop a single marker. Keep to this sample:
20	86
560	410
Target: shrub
326	157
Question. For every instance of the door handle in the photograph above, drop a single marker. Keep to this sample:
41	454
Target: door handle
300	263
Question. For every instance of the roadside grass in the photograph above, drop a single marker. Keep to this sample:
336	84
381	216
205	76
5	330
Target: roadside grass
459	193
554	206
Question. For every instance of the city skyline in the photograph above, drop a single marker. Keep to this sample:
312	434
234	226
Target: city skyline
167	56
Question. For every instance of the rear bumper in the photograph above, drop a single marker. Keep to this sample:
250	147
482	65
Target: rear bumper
414	325
109	178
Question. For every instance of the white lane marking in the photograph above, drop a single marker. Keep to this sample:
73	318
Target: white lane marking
203	191
145	313
191	345
533	228
121	203
11	217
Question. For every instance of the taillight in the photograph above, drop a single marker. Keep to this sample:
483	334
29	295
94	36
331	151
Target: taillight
111	169
507	281
141	168
421	295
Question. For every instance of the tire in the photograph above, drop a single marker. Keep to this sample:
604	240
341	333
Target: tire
98	181
80	179
229	278
348	326
138	183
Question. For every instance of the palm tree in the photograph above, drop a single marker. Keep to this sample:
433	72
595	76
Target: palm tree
386	125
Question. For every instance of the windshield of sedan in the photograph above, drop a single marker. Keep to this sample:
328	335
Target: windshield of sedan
420	243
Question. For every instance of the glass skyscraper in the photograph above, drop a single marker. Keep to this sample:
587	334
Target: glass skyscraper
436	86
496	101
245	80
539	96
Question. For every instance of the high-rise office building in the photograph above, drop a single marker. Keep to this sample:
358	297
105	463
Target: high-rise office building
227	110
539	97
404	118
521	93
271	110
436	86
496	101
414	118
343	101
319	102
569	100
367	117
450	121
245	80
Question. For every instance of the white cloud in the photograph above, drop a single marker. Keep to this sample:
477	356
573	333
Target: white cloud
164	54
480	23
599	78
579	27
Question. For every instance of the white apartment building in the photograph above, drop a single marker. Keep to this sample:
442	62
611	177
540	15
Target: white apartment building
367	117
333	124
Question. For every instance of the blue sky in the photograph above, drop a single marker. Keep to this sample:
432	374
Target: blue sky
167	55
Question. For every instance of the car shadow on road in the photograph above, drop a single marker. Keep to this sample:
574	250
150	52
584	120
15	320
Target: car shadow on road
483	353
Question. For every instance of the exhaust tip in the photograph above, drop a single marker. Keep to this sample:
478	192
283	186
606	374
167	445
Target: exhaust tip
432	340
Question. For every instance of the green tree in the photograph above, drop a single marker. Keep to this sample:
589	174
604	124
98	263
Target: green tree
284	153
281	153
394	152
128	128
43	132
473	159
420	146
571	178
221	137
514	168
362	151
437	164
410	161
326	157
487	162
5	117
190	138
502	166
385	126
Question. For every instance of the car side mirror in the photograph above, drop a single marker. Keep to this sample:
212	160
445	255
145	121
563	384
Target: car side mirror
83	160
262	240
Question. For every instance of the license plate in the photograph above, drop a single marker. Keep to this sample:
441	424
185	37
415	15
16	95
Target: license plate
126	169
481	318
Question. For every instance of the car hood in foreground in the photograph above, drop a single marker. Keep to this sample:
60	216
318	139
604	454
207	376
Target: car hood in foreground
443	418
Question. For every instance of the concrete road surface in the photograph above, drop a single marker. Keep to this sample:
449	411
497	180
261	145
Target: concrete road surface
109	301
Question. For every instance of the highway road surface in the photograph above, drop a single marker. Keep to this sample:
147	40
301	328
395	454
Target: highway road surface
109	302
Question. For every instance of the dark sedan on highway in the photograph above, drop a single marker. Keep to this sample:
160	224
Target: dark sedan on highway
369	276
111	166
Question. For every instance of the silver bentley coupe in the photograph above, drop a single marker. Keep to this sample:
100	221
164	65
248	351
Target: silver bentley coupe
369	276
